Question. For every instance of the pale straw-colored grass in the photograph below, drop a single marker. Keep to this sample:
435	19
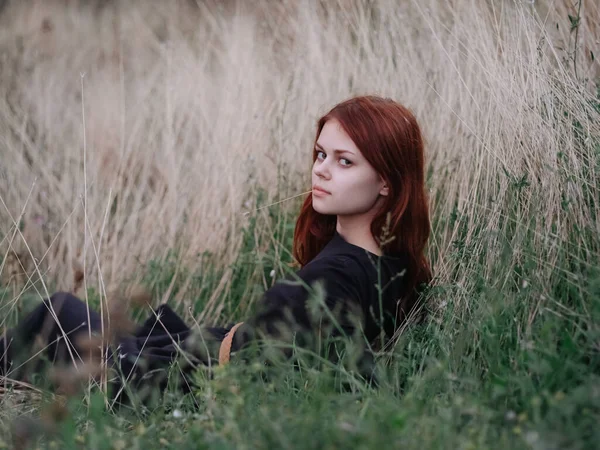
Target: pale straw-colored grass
188	109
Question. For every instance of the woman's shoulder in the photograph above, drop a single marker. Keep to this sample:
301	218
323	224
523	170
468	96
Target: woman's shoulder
338	267
358	267
338	251
349	263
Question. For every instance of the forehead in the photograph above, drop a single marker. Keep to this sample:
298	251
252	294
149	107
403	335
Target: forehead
333	137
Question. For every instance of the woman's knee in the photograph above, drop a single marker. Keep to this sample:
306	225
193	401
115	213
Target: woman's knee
72	312
63	299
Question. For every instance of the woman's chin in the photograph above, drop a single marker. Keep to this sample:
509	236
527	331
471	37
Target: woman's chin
321	210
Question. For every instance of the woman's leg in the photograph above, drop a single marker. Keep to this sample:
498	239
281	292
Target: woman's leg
57	323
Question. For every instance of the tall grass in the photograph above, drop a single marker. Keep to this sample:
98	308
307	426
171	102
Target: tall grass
135	137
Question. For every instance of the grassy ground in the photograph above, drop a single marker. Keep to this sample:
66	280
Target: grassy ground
141	171
515	370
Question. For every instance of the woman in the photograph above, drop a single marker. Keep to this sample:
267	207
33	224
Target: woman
360	236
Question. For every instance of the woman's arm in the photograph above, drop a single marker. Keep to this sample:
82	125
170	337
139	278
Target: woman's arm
321	300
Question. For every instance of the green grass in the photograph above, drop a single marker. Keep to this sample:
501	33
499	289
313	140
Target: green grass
516	369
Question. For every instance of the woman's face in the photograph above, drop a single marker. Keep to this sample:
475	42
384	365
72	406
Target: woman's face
353	184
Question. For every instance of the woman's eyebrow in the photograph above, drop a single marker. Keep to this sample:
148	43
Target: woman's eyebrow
341	150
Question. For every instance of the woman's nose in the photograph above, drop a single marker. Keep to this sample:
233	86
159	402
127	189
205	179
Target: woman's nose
321	170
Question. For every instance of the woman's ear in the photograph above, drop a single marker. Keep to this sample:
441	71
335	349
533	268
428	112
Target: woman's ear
384	191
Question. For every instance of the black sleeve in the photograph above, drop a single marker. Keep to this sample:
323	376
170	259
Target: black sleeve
326	293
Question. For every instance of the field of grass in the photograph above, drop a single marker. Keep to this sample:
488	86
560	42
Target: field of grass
134	137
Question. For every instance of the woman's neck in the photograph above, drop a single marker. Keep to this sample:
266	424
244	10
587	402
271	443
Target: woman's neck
359	236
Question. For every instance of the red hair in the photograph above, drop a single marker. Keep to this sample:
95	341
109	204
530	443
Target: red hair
388	136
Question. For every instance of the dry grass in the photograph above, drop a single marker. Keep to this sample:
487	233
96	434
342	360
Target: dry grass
136	128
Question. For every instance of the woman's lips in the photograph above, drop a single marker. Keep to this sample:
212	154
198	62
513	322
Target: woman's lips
320	192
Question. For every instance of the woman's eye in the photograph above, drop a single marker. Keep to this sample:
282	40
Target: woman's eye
348	162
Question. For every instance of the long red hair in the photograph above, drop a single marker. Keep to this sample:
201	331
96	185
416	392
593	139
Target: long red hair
389	137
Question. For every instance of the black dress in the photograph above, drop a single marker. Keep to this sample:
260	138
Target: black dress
361	291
